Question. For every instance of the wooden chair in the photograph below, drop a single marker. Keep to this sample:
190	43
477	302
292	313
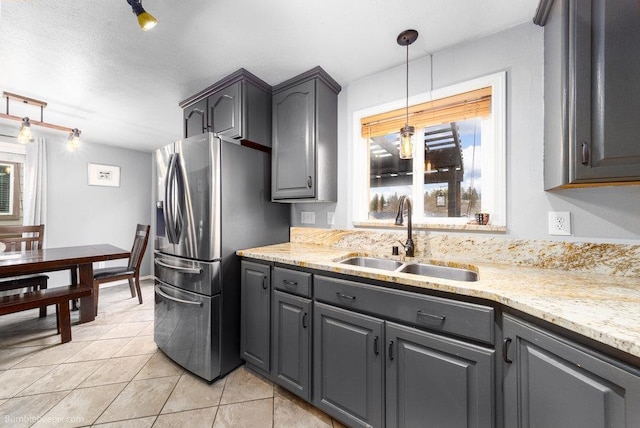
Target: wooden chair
24	238
15	240
131	272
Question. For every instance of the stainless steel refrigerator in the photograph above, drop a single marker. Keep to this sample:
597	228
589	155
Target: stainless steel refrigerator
212	199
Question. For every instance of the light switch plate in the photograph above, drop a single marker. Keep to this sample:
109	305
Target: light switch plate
331	218
307	217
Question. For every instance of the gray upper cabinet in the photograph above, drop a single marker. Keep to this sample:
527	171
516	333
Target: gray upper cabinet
592	91
225	111
195	118
551	382
255	314
236	107
305	137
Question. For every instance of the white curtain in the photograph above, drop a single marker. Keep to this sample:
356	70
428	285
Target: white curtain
35	183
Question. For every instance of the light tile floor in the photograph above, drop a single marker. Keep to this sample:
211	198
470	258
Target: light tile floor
112	375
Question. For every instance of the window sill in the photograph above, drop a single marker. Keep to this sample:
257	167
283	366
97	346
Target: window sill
432	226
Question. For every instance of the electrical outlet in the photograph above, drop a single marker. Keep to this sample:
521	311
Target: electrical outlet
331	218
559	223
307	217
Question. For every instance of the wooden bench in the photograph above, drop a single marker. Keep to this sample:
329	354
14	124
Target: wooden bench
35	282
59	296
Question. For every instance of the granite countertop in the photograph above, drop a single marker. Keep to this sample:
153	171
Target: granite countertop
601	307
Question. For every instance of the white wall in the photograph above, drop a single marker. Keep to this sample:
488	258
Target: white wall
80	214
605	214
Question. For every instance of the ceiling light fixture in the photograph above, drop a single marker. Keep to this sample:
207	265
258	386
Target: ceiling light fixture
145	19
406	38
25	135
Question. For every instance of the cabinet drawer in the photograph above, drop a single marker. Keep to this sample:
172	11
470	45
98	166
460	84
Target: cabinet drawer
292	281
428	312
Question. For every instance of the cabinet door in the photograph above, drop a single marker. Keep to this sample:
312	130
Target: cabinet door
225	111
255	314
294	142
195	119
292	343
436	381
348	365
605	98
552	383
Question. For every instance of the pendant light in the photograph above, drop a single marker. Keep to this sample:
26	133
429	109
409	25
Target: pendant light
24	135
406	38
74	140
145	19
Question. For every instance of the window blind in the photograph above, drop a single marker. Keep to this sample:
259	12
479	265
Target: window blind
455	108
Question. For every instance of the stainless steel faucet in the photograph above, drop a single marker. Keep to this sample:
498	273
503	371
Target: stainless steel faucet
408	246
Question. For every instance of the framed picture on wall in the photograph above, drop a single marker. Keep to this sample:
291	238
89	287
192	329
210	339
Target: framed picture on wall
104	175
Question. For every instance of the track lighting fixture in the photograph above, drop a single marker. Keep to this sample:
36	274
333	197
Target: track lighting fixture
145	19
406	38
25	135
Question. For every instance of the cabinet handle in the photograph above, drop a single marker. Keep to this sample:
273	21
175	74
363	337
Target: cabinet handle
290	283
264	282
585	154
391	356
309	182
439	318
376	349
505	350
304	320
345	296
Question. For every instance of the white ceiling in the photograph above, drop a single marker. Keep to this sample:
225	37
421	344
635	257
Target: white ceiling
121	86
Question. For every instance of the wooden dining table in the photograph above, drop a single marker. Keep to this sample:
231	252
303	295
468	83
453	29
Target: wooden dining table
77	259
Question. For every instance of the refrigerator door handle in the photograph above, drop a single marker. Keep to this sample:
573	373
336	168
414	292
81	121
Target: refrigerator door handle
173	299
179	268
168	197
174	188
181	197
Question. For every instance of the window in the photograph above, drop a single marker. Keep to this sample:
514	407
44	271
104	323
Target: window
9	190
458	167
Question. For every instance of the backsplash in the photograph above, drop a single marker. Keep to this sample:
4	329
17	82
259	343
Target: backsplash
607	259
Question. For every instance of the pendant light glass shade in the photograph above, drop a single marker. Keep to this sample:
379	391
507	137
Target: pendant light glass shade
25	136
406	38
406	142
74	140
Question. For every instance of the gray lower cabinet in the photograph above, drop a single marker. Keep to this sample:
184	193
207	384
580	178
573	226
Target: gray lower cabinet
348	365
435	381
551	382
291	342
255	314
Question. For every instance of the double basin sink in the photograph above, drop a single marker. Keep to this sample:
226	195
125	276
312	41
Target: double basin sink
422	269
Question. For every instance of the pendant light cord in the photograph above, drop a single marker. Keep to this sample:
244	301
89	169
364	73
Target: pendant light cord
407	99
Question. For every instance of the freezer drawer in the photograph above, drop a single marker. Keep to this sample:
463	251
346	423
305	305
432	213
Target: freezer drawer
187	329
191	275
